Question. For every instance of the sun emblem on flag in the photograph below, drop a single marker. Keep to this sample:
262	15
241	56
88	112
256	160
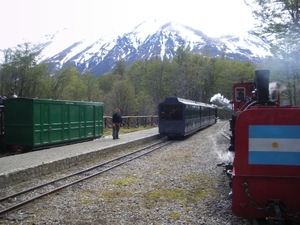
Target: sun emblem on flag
275	144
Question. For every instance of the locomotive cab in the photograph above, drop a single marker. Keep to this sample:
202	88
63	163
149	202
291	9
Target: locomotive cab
246	95
260	91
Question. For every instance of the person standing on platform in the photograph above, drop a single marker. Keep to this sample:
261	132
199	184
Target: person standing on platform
12	94
116	123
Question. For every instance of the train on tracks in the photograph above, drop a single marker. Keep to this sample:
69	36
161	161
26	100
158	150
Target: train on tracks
180	117
265	142
31	123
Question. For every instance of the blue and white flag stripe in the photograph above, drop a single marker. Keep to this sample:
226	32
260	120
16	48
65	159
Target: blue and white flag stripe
274	145
274	131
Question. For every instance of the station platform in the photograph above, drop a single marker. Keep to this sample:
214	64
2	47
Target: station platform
22	167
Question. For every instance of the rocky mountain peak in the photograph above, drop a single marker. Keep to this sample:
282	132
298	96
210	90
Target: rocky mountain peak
151	38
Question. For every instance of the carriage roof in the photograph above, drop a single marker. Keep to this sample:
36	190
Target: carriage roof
176	100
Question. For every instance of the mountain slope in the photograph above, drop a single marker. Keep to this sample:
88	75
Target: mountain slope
148	39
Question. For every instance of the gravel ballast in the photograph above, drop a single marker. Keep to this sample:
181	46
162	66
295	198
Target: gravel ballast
178	184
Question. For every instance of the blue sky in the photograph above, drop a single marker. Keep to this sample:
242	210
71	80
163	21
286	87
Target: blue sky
27	20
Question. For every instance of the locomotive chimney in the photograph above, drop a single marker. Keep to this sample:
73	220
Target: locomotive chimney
262	80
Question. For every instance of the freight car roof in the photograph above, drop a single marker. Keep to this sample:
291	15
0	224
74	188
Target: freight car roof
50	101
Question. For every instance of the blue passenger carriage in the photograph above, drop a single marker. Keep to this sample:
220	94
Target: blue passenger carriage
179	117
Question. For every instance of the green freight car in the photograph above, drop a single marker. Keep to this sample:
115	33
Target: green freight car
31	123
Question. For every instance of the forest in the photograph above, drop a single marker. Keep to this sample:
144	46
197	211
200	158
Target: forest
138	89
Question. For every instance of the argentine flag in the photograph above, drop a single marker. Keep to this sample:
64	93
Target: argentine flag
274	145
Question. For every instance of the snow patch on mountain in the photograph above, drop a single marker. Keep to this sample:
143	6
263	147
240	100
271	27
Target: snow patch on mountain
153	37
246	42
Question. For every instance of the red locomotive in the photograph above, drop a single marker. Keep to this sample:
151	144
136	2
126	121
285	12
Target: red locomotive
265	174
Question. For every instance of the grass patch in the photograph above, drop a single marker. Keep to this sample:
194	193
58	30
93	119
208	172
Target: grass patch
125	181
86	197
201	180
115	195
175	215
201	186
119	193
188	196
161	195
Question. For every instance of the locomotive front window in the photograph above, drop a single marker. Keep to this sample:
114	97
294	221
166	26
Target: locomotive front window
239	94
171	112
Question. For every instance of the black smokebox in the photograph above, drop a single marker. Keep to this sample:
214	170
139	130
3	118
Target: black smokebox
262	80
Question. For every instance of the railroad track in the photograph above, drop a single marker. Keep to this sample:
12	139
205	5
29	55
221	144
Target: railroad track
224	130
18	200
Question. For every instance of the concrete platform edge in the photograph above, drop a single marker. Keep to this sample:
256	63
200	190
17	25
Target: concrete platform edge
19	176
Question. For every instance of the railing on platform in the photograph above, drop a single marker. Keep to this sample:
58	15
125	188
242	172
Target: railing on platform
133	121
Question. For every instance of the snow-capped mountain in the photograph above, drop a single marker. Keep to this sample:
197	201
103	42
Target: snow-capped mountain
148	39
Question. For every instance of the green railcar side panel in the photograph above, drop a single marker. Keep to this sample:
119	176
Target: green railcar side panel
18	122
74	122
45	123
99	120
89	121
40	122
55	123
82	121
37	126
65	123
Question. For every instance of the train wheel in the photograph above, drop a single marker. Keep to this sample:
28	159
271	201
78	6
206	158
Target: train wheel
17	149
170	137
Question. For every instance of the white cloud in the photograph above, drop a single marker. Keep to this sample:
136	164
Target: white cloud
29	19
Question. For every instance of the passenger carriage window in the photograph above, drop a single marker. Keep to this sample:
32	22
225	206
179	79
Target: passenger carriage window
171	112
186	112
189	113
206	112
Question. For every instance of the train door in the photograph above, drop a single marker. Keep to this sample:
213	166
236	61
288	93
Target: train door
45	123
82	121
55	122
74	118
65	122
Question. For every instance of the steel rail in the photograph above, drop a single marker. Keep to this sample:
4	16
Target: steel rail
223	132
152	148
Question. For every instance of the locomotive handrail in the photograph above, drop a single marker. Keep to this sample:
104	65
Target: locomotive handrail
269	103
250	104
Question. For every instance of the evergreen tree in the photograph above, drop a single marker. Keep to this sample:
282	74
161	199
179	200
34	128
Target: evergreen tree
277	17
92	93
154	81
279	20
58	84
120	68
22	71
121	96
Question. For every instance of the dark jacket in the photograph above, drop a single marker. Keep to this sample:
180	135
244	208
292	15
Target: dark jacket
117	118
12	96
